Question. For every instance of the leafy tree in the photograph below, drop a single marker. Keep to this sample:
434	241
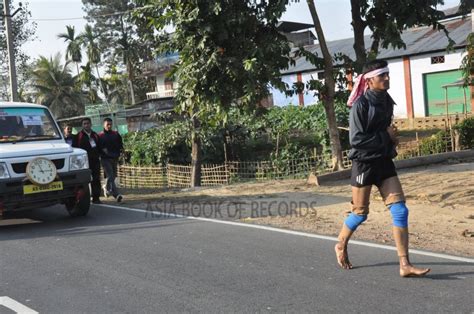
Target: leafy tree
116	84
55	87
23	30
388	19
230	51
281	134
124	41
158	146
73	50
89	40
467	63
466	6
88	82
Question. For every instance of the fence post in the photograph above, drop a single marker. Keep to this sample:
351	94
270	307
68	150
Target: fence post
457	140
418	144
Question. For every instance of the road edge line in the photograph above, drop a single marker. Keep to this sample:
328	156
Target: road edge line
292	232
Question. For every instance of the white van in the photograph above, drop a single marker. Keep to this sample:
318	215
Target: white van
37	167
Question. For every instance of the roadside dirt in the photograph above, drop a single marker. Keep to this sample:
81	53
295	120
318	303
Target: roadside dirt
440	198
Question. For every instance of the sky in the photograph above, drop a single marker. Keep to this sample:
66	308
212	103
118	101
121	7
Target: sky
52	16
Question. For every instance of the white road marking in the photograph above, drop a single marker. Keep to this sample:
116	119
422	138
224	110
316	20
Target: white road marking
297	233
15	306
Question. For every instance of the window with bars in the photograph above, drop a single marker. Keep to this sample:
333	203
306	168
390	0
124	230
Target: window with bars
437	59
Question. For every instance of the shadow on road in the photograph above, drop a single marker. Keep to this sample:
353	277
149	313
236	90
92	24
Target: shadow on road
236	207
54	221
433	274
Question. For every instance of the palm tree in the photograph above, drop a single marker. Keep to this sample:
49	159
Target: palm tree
73	50
88	40
55	87
87	79
116	85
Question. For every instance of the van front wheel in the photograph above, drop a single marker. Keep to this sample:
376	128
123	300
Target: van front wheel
79	205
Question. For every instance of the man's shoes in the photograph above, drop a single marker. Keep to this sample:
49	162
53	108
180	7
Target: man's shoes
96	201
106	193
119	198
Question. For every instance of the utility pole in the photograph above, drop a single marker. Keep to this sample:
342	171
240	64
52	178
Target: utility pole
11	55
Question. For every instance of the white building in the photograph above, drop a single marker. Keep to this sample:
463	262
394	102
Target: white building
417	73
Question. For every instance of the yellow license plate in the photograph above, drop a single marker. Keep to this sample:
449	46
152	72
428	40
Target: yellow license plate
32	188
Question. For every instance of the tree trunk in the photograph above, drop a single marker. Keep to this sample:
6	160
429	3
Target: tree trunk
195	155
359	26
226	157
102	85
328	95
126	59
131	76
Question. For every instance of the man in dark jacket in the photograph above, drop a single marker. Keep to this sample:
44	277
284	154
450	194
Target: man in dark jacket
111	148
88	140
373	141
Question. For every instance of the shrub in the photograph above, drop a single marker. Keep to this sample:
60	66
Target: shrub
435	144
279	134
466	132
158	146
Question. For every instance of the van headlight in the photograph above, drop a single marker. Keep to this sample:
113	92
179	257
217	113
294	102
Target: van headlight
78	162
4	174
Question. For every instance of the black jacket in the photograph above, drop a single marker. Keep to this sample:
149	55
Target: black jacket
69	139
111	144
369	118
81	140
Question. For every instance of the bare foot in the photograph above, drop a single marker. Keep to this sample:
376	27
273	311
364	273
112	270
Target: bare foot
412	271
342	257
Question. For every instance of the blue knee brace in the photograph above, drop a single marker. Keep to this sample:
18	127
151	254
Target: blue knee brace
399	213
353	221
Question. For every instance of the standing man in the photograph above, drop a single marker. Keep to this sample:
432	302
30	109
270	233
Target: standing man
373	142
89	141
68	136
111	148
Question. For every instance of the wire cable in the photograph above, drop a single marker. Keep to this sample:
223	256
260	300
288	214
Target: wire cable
94	16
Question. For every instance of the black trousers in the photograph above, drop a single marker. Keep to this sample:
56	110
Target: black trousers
94	166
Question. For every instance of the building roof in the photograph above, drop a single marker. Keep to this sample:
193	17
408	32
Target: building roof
418	40
450	12
301	38
289	27
458	83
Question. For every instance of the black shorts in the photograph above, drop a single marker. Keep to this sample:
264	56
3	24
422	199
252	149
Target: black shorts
372	172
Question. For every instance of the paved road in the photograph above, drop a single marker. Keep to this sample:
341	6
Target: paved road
121	261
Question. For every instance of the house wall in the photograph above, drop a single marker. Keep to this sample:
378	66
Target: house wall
160	82
421	65
308	96
397	87
279	98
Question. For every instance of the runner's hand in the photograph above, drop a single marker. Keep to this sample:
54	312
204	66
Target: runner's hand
393	133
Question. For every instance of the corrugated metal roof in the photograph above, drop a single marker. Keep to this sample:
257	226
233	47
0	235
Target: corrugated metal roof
451	11
418	40
288	27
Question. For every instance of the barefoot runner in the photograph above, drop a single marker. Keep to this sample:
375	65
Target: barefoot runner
373	146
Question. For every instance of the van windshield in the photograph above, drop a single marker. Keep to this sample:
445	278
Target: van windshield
27	124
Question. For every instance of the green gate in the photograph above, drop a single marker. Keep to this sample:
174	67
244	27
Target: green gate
97	112
435	94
